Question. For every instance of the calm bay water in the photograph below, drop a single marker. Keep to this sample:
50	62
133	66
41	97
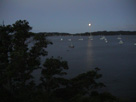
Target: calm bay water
116	61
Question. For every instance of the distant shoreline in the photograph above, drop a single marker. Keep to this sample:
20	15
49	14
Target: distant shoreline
90	33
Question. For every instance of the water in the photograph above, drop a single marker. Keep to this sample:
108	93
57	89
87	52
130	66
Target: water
116	61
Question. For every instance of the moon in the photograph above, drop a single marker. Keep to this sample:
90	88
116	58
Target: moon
89	24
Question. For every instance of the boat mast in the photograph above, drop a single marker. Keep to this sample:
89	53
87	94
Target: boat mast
3	23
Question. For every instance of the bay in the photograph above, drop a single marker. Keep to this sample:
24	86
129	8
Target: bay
116	61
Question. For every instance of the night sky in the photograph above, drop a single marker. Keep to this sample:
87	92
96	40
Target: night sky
71	16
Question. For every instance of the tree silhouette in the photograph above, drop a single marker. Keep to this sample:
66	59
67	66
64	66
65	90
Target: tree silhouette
18	60
52	73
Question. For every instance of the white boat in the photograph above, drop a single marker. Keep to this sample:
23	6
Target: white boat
69	39
119	37
71	45
135	44
121	42
102	38
61	39
106	41
90	37
80	39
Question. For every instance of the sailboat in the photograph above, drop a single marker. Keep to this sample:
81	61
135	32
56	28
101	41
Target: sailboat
102	38
80	38
119	37
69	39
90	37
61	39
71	45
105	40
120	42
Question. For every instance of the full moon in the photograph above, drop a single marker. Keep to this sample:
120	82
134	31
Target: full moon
89	24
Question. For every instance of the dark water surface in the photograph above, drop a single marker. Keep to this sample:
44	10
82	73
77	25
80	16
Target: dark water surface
116	61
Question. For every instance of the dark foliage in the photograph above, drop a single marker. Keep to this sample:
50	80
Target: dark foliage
18	60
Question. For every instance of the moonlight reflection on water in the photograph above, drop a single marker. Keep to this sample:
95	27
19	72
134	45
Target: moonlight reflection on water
116	61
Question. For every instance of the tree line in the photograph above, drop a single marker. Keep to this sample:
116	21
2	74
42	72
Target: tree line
90	33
